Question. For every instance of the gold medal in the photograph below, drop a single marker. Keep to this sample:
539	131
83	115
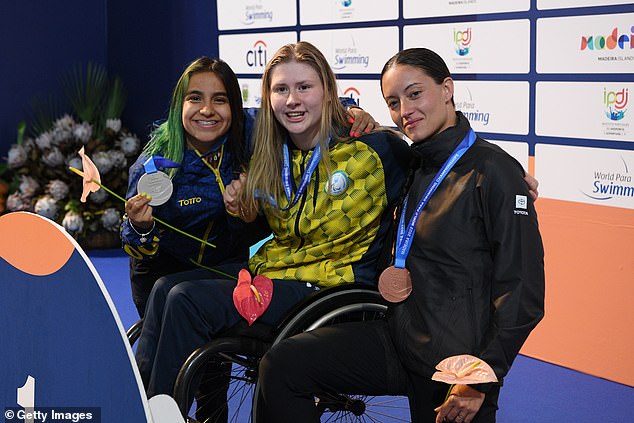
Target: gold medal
395	284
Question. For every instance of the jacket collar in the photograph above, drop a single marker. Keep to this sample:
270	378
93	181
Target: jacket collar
435	150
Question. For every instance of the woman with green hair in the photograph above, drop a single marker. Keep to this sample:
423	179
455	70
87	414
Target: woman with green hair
204	144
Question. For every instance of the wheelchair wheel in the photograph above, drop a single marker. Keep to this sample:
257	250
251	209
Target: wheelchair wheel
227	370
340	306
232	365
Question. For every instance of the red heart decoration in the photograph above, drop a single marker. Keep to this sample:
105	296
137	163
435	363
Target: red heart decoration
252	298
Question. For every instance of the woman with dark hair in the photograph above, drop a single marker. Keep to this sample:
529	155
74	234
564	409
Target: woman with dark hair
467	276
203	145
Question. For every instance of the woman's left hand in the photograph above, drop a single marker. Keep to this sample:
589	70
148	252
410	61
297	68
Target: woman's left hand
532	185
461	406
362	121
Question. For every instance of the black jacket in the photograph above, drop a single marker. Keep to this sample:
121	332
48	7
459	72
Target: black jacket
477	260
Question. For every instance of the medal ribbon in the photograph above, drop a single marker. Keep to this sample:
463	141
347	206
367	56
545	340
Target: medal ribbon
287	180
405	236
152	164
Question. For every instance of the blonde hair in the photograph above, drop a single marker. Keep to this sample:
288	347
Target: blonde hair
265	168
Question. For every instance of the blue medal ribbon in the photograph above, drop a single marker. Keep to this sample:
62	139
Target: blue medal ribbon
152	164
287	179
405	237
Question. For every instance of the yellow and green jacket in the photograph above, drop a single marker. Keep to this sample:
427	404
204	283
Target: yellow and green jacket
334	236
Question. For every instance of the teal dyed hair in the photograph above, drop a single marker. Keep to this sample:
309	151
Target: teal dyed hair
169	138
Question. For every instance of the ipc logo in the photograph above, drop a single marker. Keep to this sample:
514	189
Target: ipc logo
615	103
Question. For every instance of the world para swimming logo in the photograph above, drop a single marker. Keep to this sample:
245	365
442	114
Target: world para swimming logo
615	103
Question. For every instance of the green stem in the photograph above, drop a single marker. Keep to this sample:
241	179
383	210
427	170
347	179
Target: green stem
213	270
80	173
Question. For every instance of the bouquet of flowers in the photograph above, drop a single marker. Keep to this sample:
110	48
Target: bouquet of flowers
37	167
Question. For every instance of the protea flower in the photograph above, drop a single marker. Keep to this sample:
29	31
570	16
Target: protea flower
44	140
83	132
47	206
113	124
129	144
18	202
17	156
73	222
111	219
58	189
65	122
99	196
53	157
28	185
103	162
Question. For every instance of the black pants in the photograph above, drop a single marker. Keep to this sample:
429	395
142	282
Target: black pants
184	313
355	358
144	274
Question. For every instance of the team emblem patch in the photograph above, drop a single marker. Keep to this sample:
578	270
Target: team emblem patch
338	183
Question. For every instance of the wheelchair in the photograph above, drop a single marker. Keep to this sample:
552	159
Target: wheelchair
228	366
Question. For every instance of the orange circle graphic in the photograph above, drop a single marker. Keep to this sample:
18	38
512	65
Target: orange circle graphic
33	244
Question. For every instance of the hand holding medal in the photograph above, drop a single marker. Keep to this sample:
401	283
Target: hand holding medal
155	183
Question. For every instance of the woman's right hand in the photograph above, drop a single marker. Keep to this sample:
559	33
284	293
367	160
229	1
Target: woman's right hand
139	211
231	197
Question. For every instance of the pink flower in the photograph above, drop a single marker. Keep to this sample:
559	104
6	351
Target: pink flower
464	369
90	174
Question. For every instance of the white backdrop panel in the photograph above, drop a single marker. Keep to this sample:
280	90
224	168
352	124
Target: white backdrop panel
592	110
560	4
251	91
313	12
476	47
561	47
368	94
586	175
425	9
249	14
355	50
494	106
248	53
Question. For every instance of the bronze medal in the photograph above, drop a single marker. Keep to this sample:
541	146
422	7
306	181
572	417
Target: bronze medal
395	284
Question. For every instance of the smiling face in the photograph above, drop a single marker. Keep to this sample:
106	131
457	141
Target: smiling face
418	105
206	111
297	96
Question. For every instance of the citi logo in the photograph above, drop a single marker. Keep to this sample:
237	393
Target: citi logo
462	39
256	57
353	93
610	42
615	103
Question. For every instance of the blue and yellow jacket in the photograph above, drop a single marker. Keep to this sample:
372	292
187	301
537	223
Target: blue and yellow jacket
196	207
334	236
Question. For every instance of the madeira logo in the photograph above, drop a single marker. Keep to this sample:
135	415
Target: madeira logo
256	57
462	40
615	103
609	42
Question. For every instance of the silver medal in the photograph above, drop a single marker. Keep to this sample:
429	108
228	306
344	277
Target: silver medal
157	185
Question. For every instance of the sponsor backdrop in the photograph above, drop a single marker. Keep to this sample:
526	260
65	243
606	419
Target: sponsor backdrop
549	81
